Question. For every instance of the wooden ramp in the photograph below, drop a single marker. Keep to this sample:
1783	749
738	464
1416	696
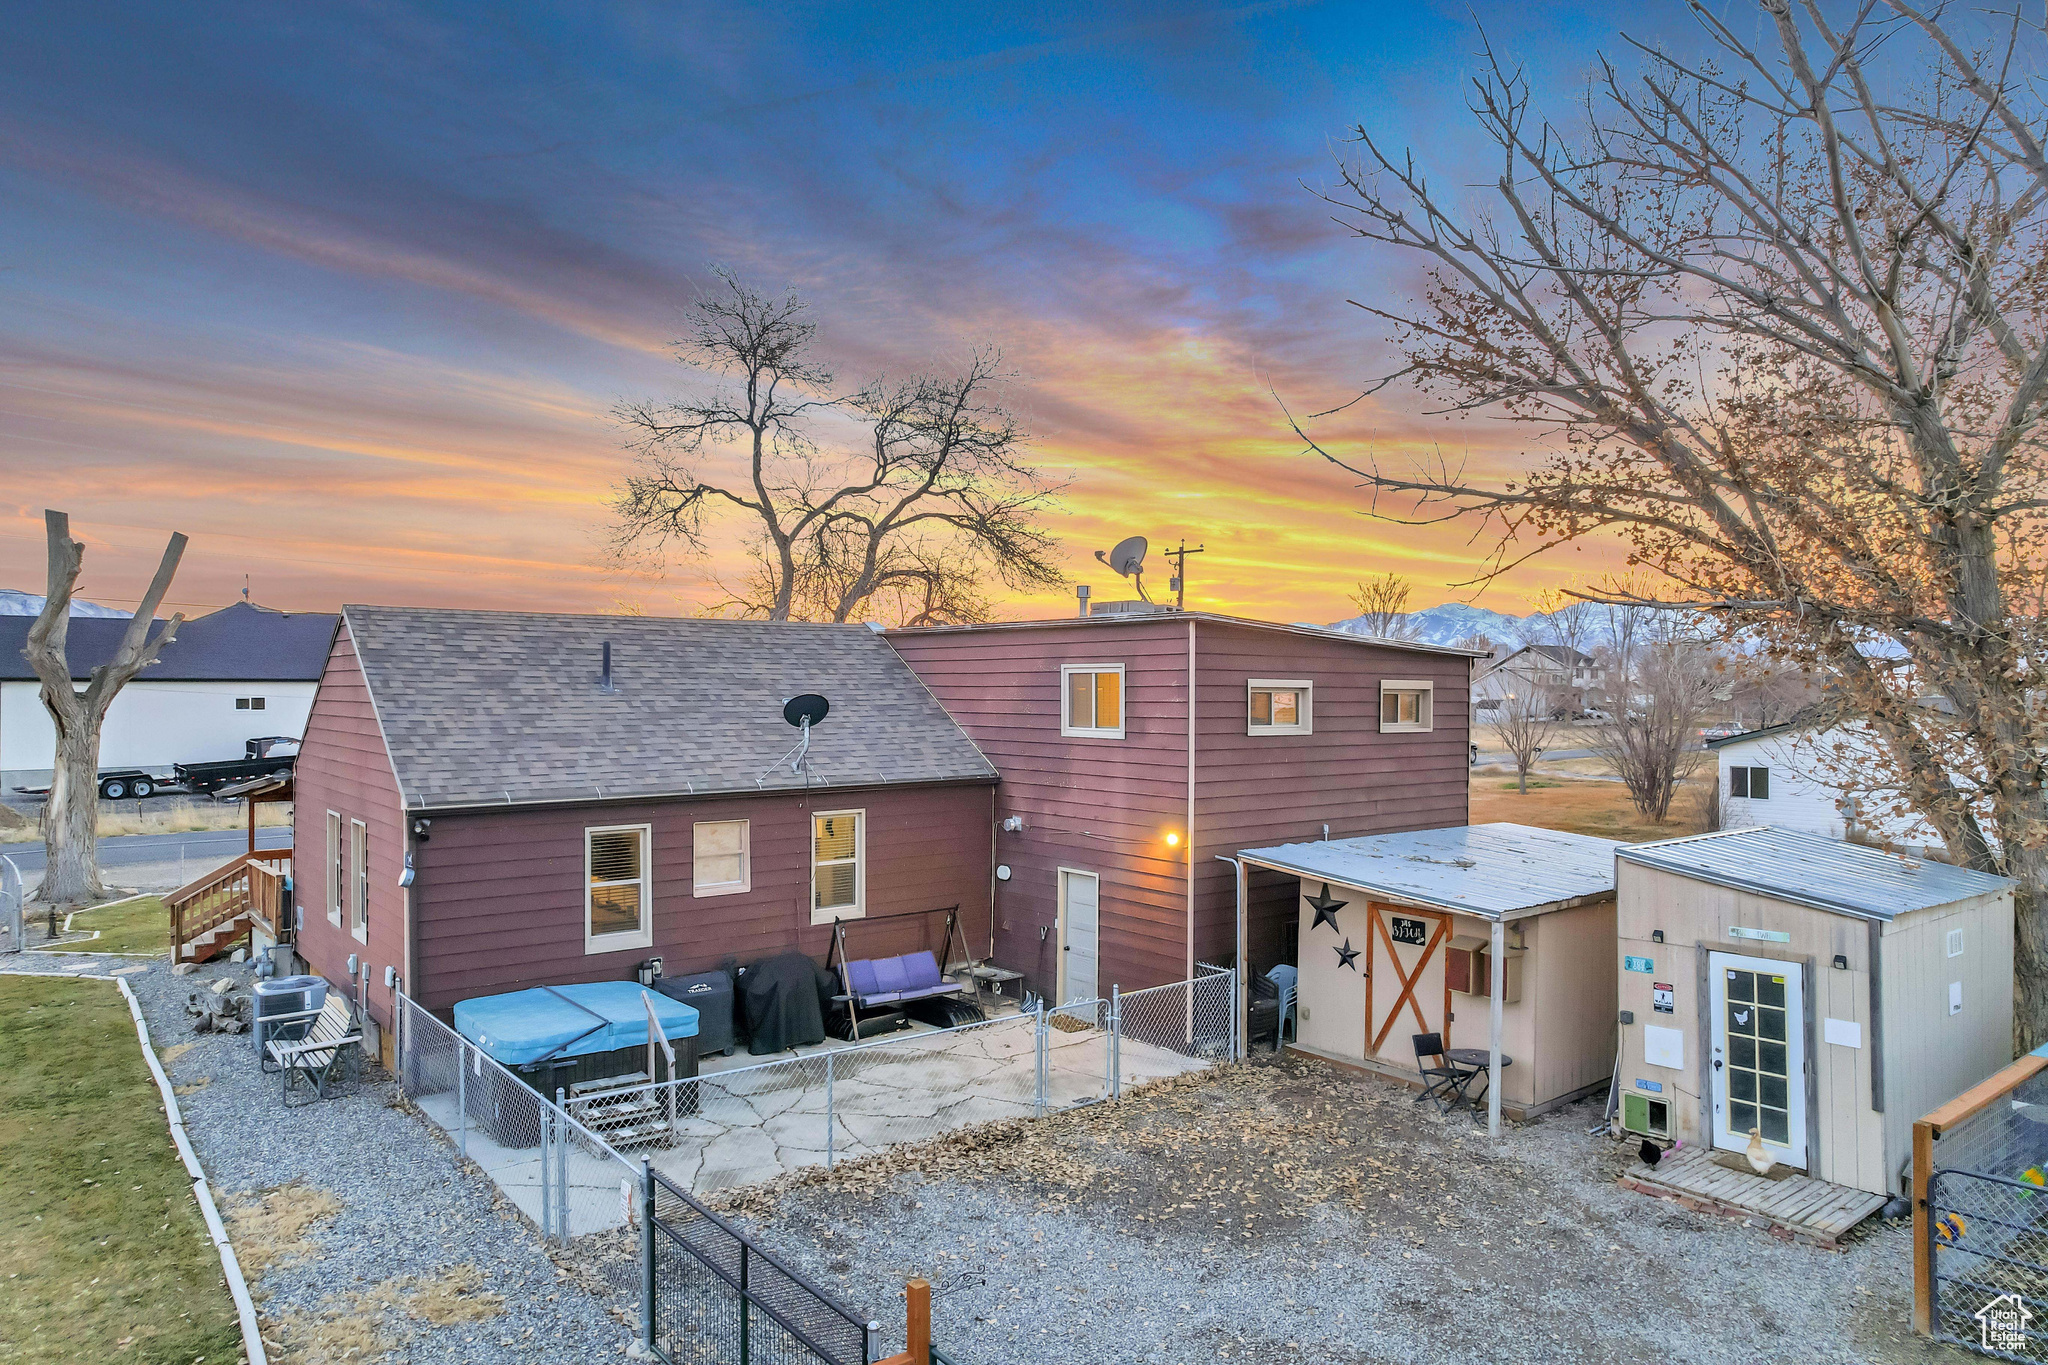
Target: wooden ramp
1797	1208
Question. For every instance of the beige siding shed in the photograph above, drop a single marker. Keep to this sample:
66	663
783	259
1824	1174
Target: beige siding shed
1858	987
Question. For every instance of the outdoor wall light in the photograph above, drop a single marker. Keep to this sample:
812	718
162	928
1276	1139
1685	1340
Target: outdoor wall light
1841	963
1656	936
1173	839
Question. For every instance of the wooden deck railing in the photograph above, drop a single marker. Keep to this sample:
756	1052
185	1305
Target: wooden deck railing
253	884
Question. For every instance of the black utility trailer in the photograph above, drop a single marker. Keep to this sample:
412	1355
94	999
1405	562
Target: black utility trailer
270	756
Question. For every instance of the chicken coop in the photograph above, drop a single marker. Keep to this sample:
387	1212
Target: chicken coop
1811	997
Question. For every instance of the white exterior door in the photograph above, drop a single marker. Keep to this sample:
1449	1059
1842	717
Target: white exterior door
1080	933
1758	1054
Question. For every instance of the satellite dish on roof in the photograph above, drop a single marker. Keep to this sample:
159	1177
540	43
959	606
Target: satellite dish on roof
806	710
1127	558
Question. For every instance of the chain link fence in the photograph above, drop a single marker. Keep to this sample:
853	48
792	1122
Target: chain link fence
1987	1226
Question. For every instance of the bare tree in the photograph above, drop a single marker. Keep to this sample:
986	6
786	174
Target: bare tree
1523	722
1661	684
71	863
1778	317
933	501
1382	605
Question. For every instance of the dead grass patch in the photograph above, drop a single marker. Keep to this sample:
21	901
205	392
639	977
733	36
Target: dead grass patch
192	1087
348	1329
1577	806
276	1225
175	1051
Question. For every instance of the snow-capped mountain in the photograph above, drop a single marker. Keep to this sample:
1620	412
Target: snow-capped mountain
1451	622
14	602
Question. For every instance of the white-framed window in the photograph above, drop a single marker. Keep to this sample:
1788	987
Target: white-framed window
337	870
720	858
1753	784
1279	706
1092	700
359	881
839	872
618	888
1405	704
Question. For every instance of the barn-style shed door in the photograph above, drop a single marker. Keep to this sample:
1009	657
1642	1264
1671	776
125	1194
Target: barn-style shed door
1404	990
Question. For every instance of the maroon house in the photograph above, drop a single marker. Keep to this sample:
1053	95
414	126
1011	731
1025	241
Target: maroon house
1135	749
487	801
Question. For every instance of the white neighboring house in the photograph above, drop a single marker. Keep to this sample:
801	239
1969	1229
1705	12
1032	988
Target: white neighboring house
1567	675
1799	776
241	673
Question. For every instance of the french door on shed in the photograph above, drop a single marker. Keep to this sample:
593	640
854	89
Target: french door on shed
1758	1054
1080	934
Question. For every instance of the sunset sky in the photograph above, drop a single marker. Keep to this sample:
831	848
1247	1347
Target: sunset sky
346	292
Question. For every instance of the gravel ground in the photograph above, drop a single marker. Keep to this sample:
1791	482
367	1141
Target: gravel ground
407	1209
1288	1210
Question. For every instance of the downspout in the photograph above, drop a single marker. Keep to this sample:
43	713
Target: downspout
1242	1004
1498	963
1190	974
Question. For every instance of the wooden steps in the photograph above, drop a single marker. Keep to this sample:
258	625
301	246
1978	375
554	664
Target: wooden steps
1795	1208
211	943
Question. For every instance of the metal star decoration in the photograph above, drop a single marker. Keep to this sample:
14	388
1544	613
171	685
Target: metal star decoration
1326	909
1347	956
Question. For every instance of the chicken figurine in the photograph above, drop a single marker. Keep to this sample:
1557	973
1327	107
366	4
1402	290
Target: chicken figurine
1759	1158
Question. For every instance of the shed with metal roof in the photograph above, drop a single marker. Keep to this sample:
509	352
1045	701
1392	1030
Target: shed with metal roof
1819	993
1495	938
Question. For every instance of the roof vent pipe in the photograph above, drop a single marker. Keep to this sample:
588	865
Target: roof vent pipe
605	680
1081	592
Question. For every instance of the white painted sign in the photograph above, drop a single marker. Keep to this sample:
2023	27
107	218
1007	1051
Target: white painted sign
1762	935
1664	1047
1842	1032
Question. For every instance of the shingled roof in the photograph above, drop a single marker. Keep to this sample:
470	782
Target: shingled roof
240	643
486	708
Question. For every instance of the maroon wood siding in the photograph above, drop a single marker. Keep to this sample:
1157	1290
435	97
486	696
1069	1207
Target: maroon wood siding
1097	805
343	767
1252	791
500	904
1106	806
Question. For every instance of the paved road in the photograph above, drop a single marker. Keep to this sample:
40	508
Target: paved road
203	849
1549	755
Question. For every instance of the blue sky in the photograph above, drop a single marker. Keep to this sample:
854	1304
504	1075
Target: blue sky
346	292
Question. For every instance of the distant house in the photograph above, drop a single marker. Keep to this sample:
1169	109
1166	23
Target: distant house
1816	777
240	673
1567	676
560	827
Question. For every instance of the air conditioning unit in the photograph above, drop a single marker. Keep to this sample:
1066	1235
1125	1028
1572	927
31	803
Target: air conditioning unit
1469	970
1646	1116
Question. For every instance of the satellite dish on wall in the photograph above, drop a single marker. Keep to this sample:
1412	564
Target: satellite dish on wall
806	710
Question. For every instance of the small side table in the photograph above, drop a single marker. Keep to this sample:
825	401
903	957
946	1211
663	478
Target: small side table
992	979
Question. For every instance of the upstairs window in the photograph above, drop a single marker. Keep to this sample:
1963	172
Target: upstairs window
1751	783
1405	705
248	703
618	890
1278	707
1092	701
838	874
719	857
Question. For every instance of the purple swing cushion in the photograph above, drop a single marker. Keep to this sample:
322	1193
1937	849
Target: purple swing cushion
887	980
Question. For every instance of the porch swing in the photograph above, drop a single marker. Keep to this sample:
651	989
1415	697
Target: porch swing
896	990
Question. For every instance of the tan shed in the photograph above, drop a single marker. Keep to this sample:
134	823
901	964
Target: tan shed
1824	994
1407	934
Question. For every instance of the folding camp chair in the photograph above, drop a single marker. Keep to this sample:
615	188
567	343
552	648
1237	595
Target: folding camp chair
1444	1083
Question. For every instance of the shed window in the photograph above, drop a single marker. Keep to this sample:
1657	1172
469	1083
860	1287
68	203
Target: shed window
1752	783
359	881
838	871
1092	700
248	703
337	873
1277	707
618	892
1405	705
718	857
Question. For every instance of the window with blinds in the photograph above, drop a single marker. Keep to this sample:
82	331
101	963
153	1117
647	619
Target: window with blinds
718	857
837	877
1092	700
618	890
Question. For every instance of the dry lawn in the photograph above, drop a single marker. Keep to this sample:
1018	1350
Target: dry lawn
1577	805
276	1225
158	815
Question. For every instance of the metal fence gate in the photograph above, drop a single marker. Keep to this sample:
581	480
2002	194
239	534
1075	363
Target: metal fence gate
713	1297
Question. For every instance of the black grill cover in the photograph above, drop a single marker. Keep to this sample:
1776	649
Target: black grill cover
780	997
710	994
